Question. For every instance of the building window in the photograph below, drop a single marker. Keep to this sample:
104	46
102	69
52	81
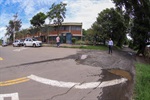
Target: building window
66	28
77	28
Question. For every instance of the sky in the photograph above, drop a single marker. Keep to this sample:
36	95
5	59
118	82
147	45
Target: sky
83	11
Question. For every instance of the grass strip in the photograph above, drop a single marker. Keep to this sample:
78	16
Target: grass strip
142	86
88	47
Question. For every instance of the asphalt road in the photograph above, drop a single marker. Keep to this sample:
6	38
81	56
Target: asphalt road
49	73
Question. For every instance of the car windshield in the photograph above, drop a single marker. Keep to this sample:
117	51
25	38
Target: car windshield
21	40
34	39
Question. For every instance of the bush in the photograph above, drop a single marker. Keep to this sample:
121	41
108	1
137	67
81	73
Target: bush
0	42
131	44
126	42
80	42
73	40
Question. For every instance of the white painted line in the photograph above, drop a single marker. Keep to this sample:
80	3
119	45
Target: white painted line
77	85
14	96
20	49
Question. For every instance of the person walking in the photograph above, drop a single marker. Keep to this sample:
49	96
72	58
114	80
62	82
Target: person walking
110	45
58	41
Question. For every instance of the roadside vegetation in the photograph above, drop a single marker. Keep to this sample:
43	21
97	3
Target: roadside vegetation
90	47
142	86
0	41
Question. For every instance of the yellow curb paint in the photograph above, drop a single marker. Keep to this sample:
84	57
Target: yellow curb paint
15	81
1	58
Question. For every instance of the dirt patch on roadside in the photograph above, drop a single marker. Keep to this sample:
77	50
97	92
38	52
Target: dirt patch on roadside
122	73
121	91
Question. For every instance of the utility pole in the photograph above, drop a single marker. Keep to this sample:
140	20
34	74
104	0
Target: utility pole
14	21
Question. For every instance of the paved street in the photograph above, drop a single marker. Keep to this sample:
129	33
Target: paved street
49	73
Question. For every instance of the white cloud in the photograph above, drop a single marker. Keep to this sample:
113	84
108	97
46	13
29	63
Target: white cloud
29	7
85	11
4	17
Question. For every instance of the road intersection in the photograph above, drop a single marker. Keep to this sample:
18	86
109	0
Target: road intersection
50	74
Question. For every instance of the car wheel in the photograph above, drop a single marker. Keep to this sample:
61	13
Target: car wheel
24	45
13	45
34	45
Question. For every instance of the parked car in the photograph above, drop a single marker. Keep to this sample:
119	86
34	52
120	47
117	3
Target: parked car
4	44
32	42
18	43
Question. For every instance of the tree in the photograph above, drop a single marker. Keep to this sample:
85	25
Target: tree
139	12
14	26
38	20
45	30
110	23
24	33
33	31
89	36
57	14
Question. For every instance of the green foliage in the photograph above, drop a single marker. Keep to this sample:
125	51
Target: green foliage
139	12
89	36
131	44
88	47
13	26
73	40
126	42
38	20
80	42
111	23
46	29
57	13
0	41
142	86
22	33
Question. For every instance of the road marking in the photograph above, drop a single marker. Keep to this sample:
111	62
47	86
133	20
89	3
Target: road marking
1	58
15	81
84	57
20	49
14	96
77	85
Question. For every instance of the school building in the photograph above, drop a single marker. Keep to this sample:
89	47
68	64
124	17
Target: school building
67	31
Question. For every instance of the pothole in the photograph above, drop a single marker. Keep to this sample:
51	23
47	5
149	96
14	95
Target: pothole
122	73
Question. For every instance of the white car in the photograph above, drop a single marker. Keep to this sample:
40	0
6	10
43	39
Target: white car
4	44
32	42
18	43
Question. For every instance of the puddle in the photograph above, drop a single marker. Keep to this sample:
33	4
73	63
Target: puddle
122	73
120	91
